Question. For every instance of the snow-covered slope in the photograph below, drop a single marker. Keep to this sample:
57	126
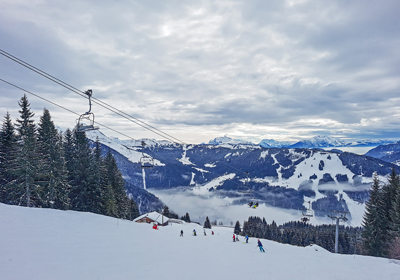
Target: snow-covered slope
47	244
131	149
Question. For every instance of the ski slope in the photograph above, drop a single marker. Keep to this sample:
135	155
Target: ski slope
52	244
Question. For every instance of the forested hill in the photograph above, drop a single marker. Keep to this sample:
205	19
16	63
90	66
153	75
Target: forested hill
279	177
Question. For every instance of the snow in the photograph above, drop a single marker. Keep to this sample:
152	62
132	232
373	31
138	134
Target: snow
185	160
129	151
66	245
201	170
204	189
210	165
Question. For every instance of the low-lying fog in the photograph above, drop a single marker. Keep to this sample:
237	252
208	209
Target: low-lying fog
222	209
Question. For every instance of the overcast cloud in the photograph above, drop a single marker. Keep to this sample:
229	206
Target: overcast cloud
285	70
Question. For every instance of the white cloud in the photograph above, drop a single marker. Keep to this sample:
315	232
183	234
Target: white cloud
201	69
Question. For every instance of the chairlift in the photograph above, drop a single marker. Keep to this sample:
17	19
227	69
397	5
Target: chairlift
146	161
88	117
307	214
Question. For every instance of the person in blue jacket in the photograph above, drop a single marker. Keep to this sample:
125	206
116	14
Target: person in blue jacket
247	239
260	246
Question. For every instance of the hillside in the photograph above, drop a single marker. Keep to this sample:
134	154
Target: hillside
52	244
389	153
280	178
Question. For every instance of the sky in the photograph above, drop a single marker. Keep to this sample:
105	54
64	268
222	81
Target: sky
197	70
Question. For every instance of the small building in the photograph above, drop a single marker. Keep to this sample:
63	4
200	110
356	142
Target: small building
152	217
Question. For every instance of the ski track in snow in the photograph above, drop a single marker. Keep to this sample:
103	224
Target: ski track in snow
50	244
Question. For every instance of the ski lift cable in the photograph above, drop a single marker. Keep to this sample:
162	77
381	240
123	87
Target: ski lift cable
38	96
113	109
82	94
62	107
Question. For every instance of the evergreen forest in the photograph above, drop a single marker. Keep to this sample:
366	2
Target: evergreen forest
42	167
379	235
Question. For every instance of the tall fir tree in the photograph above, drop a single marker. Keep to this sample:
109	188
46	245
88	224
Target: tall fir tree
117	185
237	229
81	173
394	181
8	148
207	223
54	174
375	222
24	190
100	180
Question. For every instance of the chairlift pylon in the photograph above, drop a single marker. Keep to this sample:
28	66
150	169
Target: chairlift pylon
146	161
88	116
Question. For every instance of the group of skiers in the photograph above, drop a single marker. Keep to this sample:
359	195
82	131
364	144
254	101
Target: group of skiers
259	244
235	238
195	234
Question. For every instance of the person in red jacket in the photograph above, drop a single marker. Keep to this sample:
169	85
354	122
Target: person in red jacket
234	239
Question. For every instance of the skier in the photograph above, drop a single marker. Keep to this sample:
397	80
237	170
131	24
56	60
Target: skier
247	239
182	233
250	204
205	232
212	232
194	232
237	237
260	246
234	239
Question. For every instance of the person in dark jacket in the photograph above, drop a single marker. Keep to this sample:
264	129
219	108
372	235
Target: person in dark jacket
182	233
260	246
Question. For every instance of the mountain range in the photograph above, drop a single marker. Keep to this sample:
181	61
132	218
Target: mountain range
314	142
277	177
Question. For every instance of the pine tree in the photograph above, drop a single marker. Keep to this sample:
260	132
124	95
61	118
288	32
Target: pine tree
8	148
100	180
116	182
24	190
374	222
54	176
186	218
81	173
394	181
207	223
389	192
237	229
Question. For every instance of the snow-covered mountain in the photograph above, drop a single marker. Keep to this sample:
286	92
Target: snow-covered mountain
48	244
314	142
278	177
228	140
319	142
270	143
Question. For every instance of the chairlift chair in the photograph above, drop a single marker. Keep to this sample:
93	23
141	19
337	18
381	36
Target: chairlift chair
88	116
307	214
146	161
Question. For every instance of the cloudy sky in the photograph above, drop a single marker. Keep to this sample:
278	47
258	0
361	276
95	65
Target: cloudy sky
270	69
